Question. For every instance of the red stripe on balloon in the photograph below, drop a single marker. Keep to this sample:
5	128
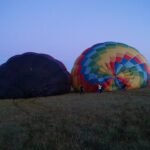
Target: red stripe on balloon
137	60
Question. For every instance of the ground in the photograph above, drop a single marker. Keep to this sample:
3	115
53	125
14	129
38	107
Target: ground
108	121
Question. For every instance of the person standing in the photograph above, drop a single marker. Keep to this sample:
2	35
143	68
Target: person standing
81	89
100	88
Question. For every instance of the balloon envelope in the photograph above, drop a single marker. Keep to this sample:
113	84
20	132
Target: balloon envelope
112	65
32	75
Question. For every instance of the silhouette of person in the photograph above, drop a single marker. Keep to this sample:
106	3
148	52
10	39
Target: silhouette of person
81	89
100	88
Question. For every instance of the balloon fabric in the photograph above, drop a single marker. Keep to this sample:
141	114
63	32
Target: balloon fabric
32	75
112	65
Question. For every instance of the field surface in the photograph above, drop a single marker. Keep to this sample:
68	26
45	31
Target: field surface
107	121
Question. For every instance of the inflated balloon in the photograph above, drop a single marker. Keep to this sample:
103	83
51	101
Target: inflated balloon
112	65
33	75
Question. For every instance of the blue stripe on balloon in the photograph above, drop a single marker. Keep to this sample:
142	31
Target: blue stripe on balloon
116	66
124	61
110	43
94	81
86	77
87	62
129	64
145	76
119	83
106	78
83	70
139	67
87	70
101	80
90	53
142	66
133	61
92	76
119	68
97	46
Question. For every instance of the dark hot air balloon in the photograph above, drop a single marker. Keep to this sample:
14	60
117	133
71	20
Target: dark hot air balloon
33	75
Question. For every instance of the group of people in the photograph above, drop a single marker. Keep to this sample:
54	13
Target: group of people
100	89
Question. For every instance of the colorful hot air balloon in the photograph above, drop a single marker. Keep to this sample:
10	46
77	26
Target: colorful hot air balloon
112	65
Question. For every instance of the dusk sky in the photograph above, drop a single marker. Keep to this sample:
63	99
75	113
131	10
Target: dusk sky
64	28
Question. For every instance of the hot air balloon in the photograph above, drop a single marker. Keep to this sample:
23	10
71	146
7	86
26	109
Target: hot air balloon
113	65
32	75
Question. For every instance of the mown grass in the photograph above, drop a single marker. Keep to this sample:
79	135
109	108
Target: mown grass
108	121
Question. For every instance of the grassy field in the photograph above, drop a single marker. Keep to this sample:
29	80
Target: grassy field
108	121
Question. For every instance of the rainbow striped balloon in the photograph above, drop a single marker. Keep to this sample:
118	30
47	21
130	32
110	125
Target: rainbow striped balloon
113	65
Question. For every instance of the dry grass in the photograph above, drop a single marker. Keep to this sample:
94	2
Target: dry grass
113	120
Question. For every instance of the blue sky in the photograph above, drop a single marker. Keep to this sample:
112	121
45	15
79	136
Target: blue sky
64	28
